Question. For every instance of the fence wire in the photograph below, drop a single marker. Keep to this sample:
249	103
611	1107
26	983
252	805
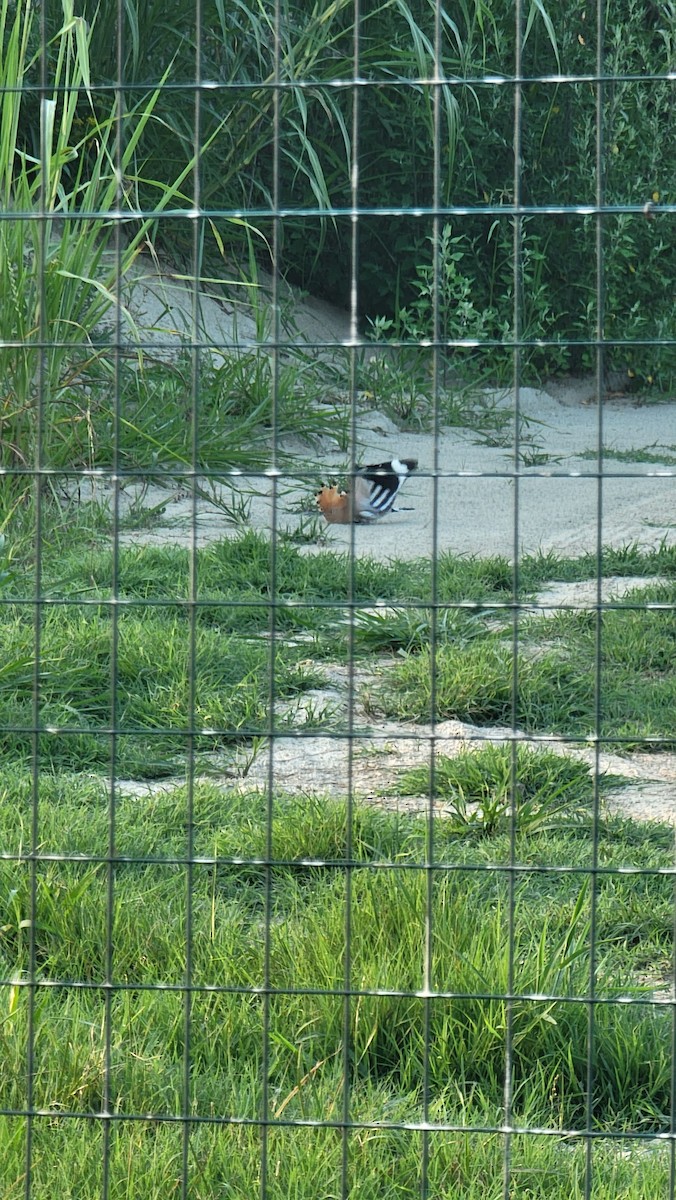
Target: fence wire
261	1026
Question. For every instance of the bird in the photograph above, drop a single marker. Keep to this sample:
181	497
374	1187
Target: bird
373	493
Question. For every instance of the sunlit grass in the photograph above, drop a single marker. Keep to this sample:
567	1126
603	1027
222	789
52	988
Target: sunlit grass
487	788
389	1061
236	891
551	685
451	659
143	675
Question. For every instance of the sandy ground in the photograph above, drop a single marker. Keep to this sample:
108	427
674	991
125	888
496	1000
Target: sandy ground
467	497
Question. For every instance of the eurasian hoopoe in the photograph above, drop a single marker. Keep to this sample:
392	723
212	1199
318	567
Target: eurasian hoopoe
373	494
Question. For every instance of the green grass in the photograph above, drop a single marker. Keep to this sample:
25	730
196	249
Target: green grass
656	452
56	158
150	654
242	591
301	896
146	1159
229	898
477	786
556	676
286	921
77	563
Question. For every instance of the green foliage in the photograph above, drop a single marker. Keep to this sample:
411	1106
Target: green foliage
476	167
60	280
59	154
56	285
7	573
236	893
315	599
559	135
238	116
407	630
148	425
475	315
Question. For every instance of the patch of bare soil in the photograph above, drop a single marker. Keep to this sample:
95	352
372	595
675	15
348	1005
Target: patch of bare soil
467	497
369	759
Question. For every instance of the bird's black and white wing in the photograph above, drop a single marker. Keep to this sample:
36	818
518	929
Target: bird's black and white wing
376	487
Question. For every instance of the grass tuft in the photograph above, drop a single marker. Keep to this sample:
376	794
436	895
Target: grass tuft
481	788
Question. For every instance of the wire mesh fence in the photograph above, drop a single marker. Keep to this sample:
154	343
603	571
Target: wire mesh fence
325	861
